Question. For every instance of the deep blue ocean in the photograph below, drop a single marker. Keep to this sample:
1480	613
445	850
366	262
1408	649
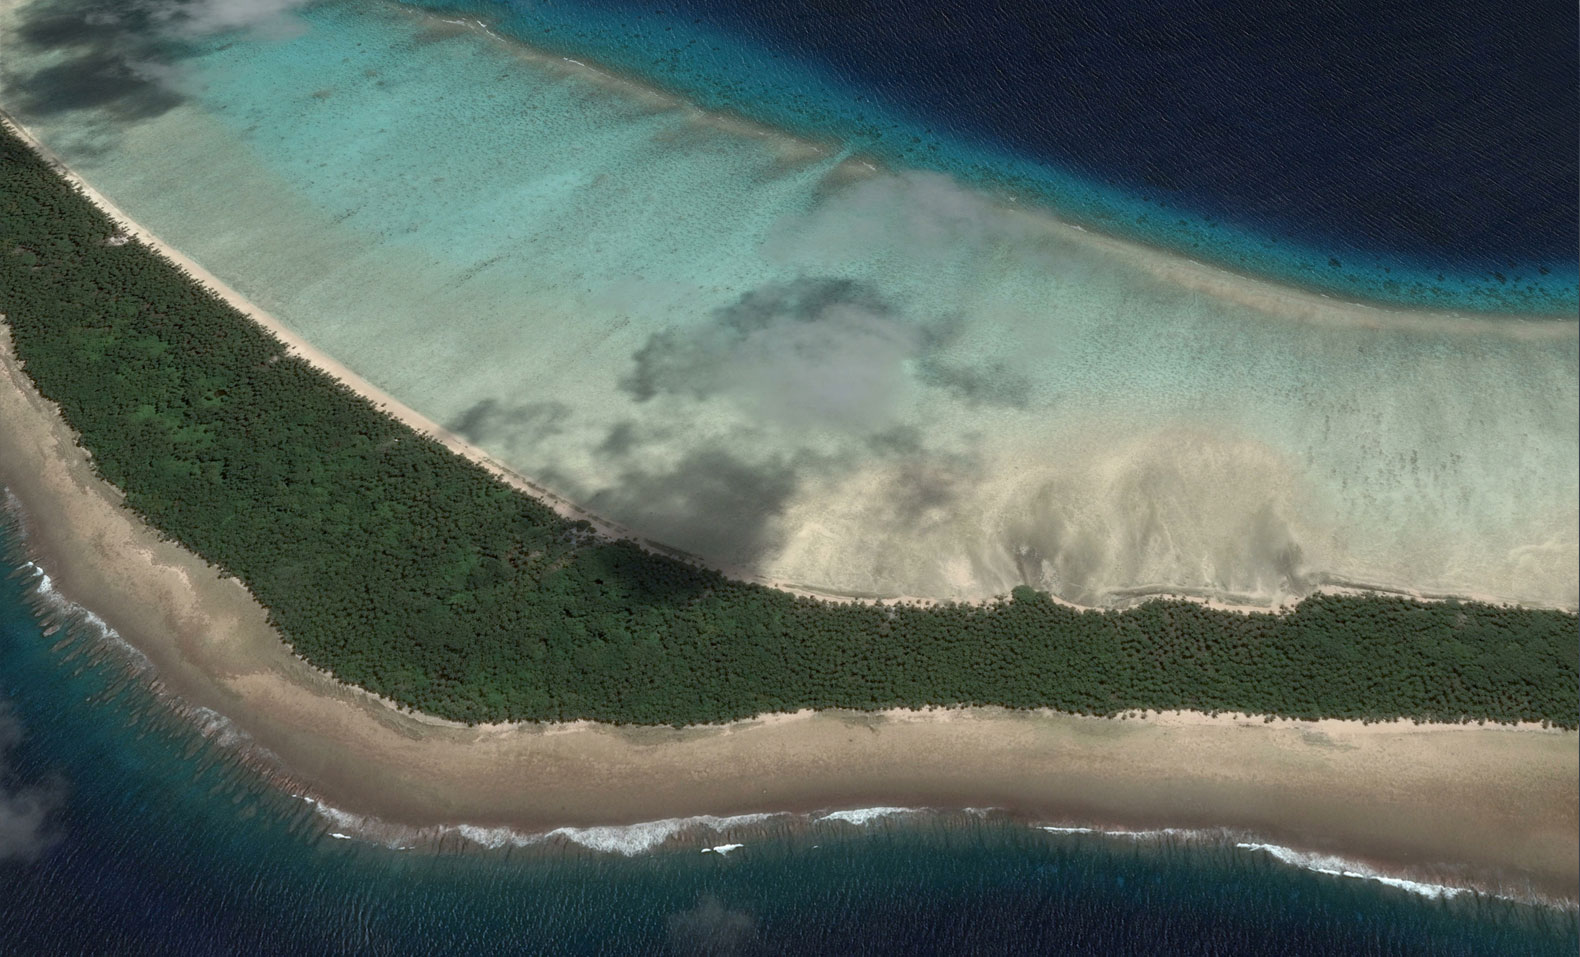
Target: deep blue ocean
1419	153
123	830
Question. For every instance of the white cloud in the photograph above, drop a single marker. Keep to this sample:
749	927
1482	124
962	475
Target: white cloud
26	811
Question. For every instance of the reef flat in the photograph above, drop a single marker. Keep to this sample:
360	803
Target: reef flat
767	352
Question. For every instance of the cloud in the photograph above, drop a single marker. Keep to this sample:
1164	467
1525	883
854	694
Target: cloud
96	79
819	352
828	359
927	220
710	502
993	383
103	57
199	17
711	928
27	812
813	351
122	57
524	424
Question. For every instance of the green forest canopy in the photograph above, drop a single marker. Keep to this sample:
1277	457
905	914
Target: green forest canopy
412	572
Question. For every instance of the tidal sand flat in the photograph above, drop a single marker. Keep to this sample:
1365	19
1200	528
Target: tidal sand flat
1458	804
770	353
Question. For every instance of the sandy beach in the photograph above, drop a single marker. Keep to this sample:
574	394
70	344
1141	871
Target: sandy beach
1495	807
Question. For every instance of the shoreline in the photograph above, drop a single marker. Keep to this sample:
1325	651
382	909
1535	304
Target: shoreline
1289	303
1487	806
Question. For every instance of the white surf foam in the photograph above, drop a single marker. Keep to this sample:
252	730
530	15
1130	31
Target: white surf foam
348	826
634	839
44	588
865	815
627	840
220	730
1341	867
1306	860
1149	834
722	849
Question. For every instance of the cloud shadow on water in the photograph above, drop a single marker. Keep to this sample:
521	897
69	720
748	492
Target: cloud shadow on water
818	351
109	63
992	384
114	58
711	503
523	425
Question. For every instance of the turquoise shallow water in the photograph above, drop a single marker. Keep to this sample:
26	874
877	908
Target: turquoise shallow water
124	828
750	348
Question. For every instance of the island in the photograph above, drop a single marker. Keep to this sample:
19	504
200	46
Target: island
411	633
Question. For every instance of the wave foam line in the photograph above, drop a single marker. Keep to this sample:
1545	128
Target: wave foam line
1153	834
640	838
45	592
866	815
627	840
1329	864
1341	867
222	731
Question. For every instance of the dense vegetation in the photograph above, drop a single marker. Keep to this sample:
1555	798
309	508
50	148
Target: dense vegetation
412	572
